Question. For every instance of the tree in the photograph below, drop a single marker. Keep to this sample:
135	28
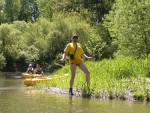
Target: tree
44	9
10	9
28	11
98	8
29	53
2	61
9	38
128	24
88	9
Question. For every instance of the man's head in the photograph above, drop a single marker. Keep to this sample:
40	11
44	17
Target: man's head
75	38
37	66
30	65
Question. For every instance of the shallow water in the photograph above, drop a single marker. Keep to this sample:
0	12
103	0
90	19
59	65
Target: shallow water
15	97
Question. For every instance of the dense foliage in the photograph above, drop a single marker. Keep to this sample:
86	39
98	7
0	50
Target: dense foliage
128	24
34	31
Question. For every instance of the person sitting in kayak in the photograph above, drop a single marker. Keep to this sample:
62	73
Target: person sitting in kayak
38	69
30	69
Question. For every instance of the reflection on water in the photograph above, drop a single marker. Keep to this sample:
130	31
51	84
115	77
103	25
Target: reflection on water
17	98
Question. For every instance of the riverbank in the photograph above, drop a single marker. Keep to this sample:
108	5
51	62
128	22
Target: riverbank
125	78
128	94
18	73
10	73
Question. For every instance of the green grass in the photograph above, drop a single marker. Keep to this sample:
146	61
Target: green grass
114	78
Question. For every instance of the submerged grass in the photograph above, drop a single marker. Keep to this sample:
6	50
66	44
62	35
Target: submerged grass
121	78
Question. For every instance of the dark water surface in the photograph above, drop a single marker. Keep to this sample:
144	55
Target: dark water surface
15	97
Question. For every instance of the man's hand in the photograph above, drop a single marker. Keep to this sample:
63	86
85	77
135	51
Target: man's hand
62	60
86	57
90	58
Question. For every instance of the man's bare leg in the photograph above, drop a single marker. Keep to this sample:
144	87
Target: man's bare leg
83	67
73	73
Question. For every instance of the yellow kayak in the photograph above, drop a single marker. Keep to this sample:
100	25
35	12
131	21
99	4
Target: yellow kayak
33	81
27	75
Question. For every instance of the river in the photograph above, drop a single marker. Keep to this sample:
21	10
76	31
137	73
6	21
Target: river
15	97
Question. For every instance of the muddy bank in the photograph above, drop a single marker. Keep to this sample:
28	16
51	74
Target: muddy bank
55	90
127	96
10	73
115	93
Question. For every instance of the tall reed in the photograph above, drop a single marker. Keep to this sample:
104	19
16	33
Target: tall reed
113	78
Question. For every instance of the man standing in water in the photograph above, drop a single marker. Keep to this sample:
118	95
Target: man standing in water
76	52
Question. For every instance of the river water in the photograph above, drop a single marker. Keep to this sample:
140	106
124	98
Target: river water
15	97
